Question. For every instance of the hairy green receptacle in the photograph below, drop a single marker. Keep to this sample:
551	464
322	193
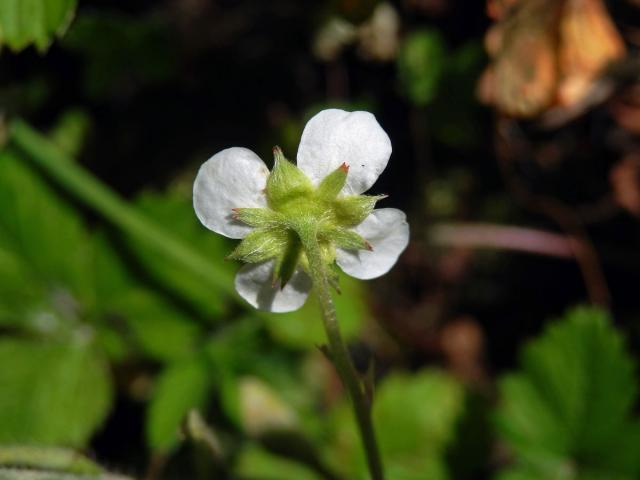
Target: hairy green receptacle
295	207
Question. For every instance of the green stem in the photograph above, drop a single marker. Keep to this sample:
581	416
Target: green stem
339	353
99	197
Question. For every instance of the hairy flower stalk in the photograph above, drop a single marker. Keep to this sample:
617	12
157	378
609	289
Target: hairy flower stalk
339	355
298	221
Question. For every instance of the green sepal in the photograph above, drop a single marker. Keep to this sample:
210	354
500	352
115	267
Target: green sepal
333	183
260	245
353	209
288	261
258	217
344	238
286	182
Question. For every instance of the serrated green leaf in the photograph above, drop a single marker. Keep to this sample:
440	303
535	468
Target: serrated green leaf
53	393
26	22
181	387
569	408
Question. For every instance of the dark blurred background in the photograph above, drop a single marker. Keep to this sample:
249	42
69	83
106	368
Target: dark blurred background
515	128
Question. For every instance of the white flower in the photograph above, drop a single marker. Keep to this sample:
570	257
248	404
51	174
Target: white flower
341	155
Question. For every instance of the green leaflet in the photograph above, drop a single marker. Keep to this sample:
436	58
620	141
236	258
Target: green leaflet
255	462
26	22
42	242
567	413
180	388
44	394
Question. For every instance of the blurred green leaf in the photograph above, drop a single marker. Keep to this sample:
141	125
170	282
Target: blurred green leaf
17	290
237	347
517	475
70	131
47	458
111	277
52	393
255	462
22	474
26	22
262	409
177	212
43	246
179	388
415	417
304	328
567	413
159	329
421	64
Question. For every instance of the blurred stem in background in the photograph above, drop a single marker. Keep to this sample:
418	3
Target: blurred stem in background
338	353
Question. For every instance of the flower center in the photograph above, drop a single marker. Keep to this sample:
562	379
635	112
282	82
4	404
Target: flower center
297	208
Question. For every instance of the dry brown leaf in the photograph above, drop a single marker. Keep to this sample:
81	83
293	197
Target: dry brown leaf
524	70
625	109
497	9
546	53
625	181
589	42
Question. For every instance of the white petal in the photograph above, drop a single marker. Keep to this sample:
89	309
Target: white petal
253	283
232	178
355	138
387	231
